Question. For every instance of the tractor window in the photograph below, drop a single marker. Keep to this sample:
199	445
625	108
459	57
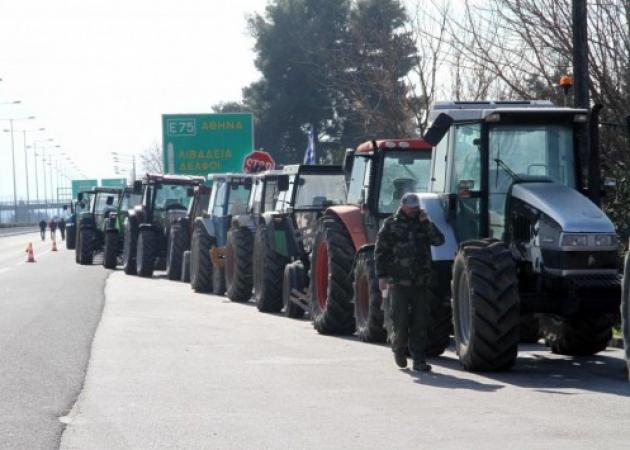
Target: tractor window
271	194
526	150
218	196
356	179
403	171
129	200
255	197
237	199
320	190
171	196
439	166
284	199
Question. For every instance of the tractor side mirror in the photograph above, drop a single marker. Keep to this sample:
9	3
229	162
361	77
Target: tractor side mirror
110	200
190	192
438	129
137	187
80	196
464	187
283	183
609	187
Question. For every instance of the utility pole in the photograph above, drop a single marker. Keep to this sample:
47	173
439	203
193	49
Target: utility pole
15	205
580	54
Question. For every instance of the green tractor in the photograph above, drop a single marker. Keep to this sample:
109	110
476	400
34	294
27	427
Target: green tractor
113	227
165	200
91	221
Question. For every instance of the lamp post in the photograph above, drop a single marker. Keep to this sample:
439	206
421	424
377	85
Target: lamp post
44	160
11	120
125	158
35	142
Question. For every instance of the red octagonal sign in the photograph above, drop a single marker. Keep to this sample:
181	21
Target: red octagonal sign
258	161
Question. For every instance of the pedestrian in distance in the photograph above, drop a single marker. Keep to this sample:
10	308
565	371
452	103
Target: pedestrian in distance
42	229
403	268
52	224
62	228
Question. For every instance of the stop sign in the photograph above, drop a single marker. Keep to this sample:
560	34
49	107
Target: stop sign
258	161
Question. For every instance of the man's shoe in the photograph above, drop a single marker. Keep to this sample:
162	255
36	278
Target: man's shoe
401	359
421	367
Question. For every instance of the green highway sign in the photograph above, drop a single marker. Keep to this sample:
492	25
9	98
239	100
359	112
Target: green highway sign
114	182
82	185
199	144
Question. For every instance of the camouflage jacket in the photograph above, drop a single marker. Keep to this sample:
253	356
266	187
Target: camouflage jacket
403	249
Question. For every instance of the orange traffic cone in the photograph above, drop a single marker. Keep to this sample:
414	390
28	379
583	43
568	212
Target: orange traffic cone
54	249
30	255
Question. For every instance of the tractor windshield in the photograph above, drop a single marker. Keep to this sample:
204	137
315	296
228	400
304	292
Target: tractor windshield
171	196
102	205
403	171
130	200
238	198
320	190
526	150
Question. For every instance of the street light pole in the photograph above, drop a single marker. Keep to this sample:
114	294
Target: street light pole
15	206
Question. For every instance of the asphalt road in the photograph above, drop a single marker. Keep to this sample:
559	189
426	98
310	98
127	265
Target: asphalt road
49	311
173	369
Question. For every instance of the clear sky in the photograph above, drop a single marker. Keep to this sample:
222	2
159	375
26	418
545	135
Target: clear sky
97	74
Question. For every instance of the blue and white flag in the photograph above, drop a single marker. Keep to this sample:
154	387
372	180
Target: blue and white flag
309	156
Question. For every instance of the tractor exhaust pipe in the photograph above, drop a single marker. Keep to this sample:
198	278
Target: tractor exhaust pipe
594	172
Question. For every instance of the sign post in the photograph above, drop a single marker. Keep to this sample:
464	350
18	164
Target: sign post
199	144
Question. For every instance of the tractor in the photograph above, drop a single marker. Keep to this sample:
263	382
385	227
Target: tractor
177	265
239	247
284	237
525	242
91	221
344	293
229	197
165	199
114	227
76	208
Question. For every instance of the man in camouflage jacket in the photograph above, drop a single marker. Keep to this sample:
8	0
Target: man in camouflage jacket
403	267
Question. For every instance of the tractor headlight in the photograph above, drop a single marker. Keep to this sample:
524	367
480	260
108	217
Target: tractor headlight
574	240
605	240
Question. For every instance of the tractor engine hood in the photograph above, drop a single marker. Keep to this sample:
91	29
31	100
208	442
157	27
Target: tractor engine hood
571	210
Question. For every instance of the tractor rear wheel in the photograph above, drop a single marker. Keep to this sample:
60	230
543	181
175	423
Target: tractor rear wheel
130	246
625	309
331	288
110	250
86	246
487	304
178	243
368	308
147	250
238	264
200	263
294	278
71	237
579	336
268	273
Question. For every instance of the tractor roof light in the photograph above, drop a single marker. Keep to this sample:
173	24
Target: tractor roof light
493	118
566	81
580	118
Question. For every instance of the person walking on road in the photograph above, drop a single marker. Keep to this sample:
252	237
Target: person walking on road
42	229
52	224
403	268
62	228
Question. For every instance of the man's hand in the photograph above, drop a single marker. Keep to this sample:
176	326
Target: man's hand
422	215
383	284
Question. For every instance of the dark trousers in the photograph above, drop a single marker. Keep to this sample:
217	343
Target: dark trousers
63	233
411	309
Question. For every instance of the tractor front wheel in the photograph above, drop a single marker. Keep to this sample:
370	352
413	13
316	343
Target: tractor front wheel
294	279
200	263
368	308
110	250
86	246
238	264
178	243
579	336
486	306
268	273
146	252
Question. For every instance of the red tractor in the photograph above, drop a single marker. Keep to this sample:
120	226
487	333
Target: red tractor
344	293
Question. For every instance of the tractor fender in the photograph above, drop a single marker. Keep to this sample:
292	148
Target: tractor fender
137	214
281	234
245	221
436	211
110	224
352	218
87	222
207	224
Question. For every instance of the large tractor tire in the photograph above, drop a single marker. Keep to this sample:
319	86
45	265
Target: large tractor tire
486	306
147	251
178	243
268	273
440	325
200	262
218	280
110	250
77	249
71	237
294	278
579	336
625	309
130	245
331	288
238	264
186	267
368	301
86	246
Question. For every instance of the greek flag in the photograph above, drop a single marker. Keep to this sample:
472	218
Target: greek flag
309	156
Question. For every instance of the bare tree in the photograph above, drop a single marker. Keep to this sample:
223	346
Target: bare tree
152	159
